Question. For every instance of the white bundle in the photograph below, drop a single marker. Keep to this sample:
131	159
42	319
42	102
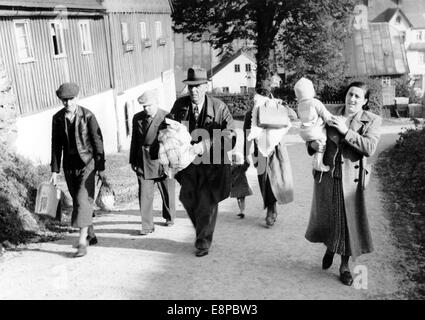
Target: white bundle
175	150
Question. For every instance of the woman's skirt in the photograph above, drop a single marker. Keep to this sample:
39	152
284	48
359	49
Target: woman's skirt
338	241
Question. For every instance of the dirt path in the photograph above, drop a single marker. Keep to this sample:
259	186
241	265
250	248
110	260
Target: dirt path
247	260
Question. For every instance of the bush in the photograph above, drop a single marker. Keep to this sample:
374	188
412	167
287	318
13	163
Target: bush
406	165
19	180
238	104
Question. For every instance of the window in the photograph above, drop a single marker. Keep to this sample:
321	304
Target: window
419	35
237	68
56	32
126	38
421	58
248	67
124	32
244	89
23	41
225	89
386	81
85	36
143	34
158	30
398	20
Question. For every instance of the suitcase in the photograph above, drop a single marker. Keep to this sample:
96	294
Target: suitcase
47	200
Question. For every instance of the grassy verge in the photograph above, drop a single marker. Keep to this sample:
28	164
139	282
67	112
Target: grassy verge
401	170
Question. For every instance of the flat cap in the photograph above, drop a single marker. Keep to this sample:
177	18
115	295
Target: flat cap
68	90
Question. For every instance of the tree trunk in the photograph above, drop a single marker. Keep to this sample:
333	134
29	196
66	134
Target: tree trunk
265	36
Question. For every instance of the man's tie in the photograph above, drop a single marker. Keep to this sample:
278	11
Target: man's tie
196	113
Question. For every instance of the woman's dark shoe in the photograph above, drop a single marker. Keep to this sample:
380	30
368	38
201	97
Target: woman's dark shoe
346	278
241	215
327	260
92	240
270	219
81	251
201	252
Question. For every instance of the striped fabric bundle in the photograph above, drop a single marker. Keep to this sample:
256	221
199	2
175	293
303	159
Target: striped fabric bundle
175	150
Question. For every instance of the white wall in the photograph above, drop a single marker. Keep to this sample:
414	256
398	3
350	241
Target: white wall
34	130
227	77
165	86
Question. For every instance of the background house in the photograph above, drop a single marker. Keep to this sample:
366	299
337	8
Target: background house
114	50
236	74
406	16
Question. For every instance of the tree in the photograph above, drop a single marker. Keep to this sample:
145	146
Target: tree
293	26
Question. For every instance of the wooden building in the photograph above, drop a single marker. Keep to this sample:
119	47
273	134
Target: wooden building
44	44
113	49
377	51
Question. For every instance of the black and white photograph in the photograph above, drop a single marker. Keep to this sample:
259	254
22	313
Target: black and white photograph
212	155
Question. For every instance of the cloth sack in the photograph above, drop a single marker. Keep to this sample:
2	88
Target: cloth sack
175	149
105	199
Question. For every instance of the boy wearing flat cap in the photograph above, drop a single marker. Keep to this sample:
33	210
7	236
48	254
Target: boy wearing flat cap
76	135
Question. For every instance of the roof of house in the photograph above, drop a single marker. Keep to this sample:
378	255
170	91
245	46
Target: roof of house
388	14
376	51
50	4
414	10
229	60
151	6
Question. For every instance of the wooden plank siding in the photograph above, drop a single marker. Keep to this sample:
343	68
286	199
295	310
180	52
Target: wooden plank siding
36	82
142	64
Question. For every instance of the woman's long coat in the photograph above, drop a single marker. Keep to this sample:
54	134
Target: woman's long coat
360	142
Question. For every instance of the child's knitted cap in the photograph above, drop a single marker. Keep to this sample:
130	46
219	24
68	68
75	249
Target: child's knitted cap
304	89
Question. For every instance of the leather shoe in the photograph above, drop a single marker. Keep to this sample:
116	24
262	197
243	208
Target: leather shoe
327	260
201	252
241	215
92	240
81	251
146	232
346	278
169	223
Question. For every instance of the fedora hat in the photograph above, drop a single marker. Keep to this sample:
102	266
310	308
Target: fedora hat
196	76
148	98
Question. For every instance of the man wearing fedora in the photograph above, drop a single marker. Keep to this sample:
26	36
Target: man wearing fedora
77	135
206	181
144	161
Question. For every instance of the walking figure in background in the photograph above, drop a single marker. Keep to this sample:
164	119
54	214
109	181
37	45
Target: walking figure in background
240	186
206	181
270	155
313	115
77	135
144	161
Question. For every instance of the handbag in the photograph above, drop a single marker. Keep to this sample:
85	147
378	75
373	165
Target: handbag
273	115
